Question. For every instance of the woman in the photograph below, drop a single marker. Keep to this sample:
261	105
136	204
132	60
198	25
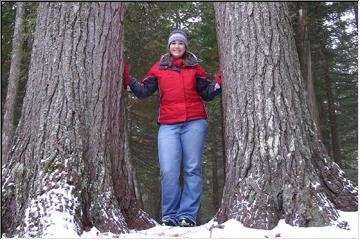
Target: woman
181	83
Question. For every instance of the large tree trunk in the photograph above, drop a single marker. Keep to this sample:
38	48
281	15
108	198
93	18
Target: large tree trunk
7	131
68	161
276	165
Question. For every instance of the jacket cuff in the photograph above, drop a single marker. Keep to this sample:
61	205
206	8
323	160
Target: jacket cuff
132	81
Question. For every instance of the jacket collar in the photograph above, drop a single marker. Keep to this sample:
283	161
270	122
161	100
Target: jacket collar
165	65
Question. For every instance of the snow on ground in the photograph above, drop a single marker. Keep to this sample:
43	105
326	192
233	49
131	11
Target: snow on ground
60	228
234	229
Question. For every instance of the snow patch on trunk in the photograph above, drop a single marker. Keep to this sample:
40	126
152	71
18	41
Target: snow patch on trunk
52	214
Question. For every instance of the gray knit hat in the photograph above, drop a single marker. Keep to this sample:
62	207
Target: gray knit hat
178	35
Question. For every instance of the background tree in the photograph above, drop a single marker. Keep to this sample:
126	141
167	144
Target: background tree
10	102
337	71
7	32
303	45
17	91
273	155
332	32
68	159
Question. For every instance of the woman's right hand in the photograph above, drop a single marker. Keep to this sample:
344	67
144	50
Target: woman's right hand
126	75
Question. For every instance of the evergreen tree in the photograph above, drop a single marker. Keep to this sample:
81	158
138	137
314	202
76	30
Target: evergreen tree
69	156
276	165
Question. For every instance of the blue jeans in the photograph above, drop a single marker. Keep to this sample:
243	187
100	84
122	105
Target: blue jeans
176	143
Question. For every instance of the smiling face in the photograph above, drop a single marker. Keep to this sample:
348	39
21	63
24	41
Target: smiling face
177	49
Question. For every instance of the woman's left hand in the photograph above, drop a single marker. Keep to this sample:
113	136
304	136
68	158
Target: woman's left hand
218	76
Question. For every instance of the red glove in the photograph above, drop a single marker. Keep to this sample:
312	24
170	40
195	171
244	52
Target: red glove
126	75
218	76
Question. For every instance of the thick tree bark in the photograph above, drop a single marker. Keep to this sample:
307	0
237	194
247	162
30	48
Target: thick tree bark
7	131
68	159
275	163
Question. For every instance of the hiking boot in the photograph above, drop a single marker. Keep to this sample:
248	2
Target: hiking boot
185	222
169	222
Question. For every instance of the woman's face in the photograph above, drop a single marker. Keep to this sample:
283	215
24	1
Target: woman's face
177	49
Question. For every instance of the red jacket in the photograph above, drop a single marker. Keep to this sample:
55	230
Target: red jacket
181	90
